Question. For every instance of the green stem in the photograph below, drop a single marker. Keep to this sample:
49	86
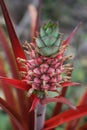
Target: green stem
39	116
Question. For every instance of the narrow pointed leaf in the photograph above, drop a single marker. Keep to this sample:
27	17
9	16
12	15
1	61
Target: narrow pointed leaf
21	98
18	51
17	83
74	124
8	92
11	112
33	17
68	39
66	116
5	44
84	127
68	83
58	105
36	100
58	99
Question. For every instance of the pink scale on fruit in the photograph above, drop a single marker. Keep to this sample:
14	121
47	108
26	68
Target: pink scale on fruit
55	62
57	65
53	80
29	77
51	70
35	86
37	72
46	86
31	62
32	54
45	77
38	61
53	88
43	68
37	80
58	71
29	66
49	61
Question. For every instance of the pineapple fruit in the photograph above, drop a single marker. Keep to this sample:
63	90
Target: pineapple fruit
45	69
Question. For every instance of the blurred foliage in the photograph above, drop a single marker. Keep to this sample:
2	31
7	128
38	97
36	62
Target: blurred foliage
4	121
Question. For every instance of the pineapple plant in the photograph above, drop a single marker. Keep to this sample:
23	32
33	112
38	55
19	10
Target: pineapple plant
45	69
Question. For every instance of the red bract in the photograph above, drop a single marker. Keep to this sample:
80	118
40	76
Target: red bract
17	83
65	117
66	41
73	125
58	99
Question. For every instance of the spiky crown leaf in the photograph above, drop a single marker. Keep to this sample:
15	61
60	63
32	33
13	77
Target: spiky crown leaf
48	40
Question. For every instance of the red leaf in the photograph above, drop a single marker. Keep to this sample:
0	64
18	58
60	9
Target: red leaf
5	44
66	116
74	124
66	42
36	100
84	127
17	83
58	106
58	99
33	17
67	83
11	112
63	85
18	51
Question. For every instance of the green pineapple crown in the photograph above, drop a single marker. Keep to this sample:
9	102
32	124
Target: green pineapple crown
49	40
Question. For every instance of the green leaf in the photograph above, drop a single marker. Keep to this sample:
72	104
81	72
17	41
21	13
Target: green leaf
58	41
42	32
39	42
48	51
48	31
55	32
49	40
